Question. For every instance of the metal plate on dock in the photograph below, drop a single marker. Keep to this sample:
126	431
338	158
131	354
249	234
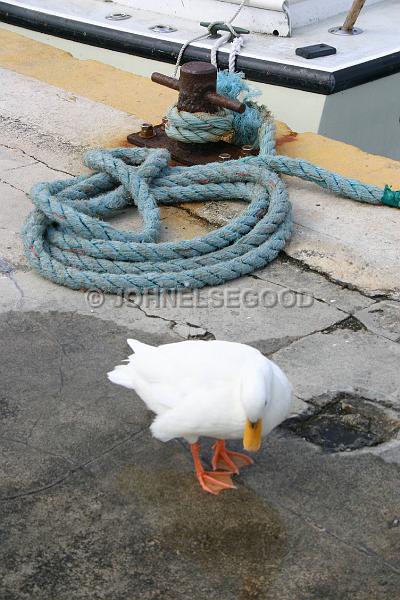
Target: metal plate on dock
185	154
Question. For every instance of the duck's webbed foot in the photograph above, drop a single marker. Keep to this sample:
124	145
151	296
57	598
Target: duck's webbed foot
227	460
213	482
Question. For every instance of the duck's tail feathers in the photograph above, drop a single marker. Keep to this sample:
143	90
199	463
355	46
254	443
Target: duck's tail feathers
136	345
122	375
161	428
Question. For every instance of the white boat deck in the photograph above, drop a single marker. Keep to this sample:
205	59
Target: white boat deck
379	22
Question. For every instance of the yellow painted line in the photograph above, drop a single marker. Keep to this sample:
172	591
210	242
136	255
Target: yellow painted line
94	80
342	158
139	96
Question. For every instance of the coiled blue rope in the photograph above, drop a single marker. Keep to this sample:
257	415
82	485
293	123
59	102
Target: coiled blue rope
67	241
198	128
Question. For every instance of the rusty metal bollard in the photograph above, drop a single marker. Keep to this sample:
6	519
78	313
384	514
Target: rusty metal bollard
197	89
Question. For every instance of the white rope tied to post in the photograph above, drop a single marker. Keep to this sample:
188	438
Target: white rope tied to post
221	41
207	35
236	47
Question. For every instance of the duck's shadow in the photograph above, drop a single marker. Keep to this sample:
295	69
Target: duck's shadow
235	536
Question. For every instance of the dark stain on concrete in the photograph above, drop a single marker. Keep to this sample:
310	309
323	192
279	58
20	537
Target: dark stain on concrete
8	410
350	323
5	266
235	536
345	423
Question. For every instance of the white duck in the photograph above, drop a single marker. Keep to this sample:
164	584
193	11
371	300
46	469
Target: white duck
223	390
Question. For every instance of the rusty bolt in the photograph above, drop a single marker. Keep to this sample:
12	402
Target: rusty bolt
224	157
147	130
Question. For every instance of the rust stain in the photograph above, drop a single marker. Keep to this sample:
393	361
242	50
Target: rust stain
288	137
115	142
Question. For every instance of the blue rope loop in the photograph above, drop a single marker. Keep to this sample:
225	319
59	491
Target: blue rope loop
67	240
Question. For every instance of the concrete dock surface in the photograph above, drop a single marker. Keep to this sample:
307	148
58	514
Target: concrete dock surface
92	507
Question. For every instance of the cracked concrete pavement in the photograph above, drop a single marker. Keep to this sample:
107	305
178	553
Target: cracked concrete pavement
91	505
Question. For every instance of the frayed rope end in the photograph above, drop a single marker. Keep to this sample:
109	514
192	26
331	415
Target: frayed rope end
391	198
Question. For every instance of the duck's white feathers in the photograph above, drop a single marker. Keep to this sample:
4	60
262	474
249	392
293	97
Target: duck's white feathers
195	387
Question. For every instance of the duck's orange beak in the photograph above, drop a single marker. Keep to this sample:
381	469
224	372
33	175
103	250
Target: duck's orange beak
252	435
